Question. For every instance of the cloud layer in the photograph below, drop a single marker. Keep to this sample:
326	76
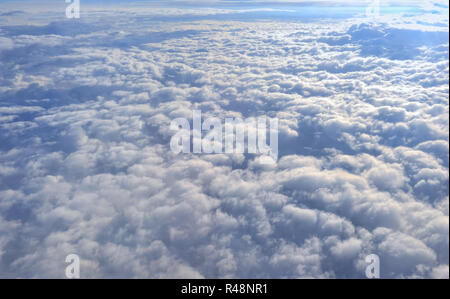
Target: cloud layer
86	166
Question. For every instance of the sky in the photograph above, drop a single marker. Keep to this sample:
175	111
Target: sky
86	167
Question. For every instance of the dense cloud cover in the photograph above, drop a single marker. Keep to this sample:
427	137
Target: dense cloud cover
86	166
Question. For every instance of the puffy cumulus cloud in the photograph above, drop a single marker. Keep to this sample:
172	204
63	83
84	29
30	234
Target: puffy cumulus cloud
86	167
